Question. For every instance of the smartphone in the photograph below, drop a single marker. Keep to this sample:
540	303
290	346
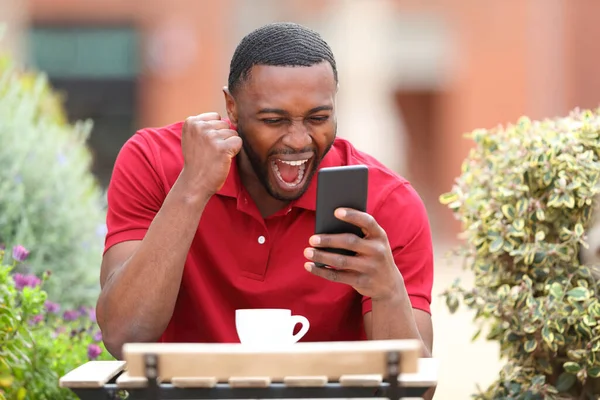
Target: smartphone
345	186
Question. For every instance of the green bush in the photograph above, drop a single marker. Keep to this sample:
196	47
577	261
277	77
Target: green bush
526	198
38	342
50	199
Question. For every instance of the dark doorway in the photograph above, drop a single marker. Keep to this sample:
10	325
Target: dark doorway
96	68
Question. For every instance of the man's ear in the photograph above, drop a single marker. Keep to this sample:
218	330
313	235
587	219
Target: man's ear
230	106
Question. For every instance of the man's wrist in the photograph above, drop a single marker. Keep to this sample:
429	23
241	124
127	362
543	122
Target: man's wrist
192	191
395	293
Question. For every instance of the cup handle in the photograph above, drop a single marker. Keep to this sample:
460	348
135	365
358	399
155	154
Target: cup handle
299	319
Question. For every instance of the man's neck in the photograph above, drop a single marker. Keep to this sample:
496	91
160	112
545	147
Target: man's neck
266	204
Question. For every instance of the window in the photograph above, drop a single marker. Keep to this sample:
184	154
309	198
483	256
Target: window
96	68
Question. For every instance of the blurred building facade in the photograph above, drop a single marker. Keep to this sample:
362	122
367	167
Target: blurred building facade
414	75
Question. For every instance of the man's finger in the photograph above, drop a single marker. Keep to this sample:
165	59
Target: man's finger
339	261
233	144
365	221
209	116
224	133
219	124
333	275
346	241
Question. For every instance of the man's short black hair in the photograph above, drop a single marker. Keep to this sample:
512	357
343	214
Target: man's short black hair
278	44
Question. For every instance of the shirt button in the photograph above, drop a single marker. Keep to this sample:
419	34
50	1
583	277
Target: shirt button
261	239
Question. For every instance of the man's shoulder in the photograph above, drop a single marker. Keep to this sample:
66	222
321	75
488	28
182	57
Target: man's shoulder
165	136
386	187
155	144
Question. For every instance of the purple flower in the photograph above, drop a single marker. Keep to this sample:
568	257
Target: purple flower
71	315
2	246
94	351
52	307
22	281
92	315
36	319
19	253
98	336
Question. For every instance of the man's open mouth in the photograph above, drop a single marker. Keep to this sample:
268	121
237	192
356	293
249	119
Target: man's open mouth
290	173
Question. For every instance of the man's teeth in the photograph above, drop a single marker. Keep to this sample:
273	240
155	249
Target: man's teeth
299	162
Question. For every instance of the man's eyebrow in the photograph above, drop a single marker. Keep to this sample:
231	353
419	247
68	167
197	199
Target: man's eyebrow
272	111
320	108
283	112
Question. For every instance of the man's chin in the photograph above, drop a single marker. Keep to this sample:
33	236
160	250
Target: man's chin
287	194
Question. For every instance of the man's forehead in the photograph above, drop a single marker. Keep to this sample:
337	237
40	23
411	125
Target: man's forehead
270	76
268	85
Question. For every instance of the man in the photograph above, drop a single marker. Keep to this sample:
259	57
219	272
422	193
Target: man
211	215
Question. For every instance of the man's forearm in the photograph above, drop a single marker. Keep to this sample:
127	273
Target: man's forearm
393	318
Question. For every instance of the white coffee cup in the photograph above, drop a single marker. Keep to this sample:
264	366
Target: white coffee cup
269	326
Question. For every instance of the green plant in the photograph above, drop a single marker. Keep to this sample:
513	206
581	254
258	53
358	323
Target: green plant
38	343
526	198
50	199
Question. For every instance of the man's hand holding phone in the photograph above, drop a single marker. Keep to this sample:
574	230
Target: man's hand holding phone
371	271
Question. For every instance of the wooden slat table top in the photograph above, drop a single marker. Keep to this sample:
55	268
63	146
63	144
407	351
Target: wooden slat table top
92	374
331	359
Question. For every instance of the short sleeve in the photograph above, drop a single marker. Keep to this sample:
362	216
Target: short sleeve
135	193
404	218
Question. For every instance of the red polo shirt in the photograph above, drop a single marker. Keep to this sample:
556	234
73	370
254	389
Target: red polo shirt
238	259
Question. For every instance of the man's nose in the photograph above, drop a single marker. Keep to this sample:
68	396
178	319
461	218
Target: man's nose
298	137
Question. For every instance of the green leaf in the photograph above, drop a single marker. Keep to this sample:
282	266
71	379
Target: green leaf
529	257
509	211
448	198
556	290
565	381
584	330
564	253
578	294
530	345
576	355
522	205
572	367
579	230
553	200
540	215
565	234
452	303
594	372
519	224
547	335
594	309
568	200
529	328
540	236
538	380
589	321
496	245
